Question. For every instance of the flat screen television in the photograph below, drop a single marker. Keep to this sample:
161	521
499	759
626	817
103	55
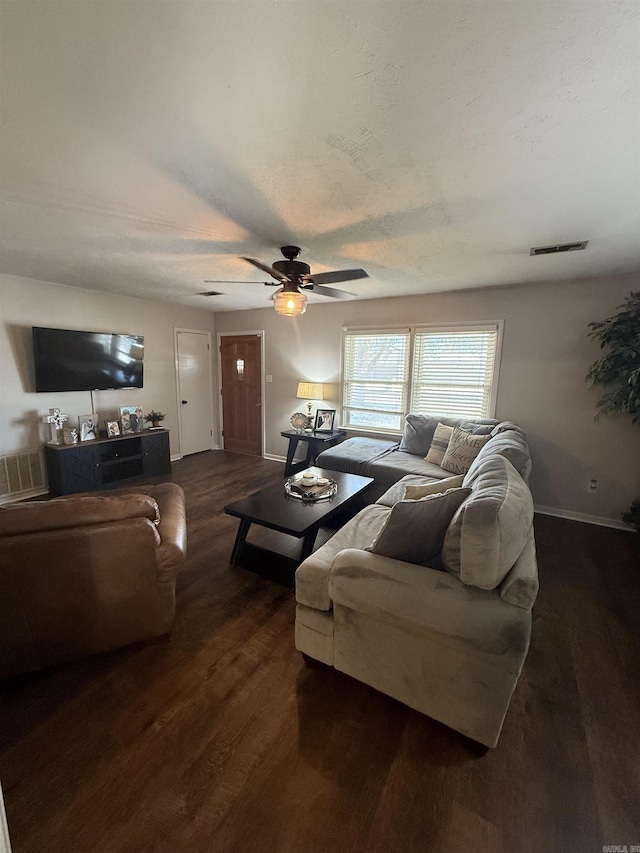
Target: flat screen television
69	360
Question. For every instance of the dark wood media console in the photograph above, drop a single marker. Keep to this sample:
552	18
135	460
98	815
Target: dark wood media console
104	462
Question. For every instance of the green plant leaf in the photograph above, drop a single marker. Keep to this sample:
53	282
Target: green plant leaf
620	368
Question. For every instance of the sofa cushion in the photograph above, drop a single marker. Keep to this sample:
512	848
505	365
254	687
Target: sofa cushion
312	575
354	455
504	426
462	450
509	443
479	427
413	492
439	444
393	466
425	602
491	528
75	512
414	530
520	586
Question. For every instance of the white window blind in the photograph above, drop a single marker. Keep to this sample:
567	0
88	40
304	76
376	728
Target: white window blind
453	372
375	379
449	371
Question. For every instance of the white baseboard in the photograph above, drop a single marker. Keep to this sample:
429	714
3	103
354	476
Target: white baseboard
176	457
601	521
274	458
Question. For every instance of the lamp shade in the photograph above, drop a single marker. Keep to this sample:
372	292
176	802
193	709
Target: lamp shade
290	303
310	391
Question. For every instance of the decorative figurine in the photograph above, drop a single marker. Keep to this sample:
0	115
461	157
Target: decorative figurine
70	436
55	421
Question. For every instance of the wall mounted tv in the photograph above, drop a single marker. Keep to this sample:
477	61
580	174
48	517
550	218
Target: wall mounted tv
69	360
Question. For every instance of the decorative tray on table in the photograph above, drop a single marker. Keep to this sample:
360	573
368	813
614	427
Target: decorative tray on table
321	490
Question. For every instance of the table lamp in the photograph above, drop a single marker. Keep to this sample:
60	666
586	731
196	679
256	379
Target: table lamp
310	391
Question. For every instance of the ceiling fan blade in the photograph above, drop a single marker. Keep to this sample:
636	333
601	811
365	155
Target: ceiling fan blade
327	291
228	281
336	276
265	268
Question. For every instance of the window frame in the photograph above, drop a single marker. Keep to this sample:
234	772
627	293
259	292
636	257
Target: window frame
435	328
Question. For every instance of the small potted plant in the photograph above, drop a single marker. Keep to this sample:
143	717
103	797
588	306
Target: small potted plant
155	417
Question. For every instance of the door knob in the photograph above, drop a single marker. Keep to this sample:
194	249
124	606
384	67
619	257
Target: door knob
184	402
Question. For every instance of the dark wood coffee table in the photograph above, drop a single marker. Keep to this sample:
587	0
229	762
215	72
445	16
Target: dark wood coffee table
273	509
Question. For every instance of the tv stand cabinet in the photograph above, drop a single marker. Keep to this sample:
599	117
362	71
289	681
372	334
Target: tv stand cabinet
105	462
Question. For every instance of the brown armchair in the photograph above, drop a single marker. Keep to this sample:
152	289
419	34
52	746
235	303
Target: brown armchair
83	574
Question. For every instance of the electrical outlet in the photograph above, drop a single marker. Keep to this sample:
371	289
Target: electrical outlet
592	487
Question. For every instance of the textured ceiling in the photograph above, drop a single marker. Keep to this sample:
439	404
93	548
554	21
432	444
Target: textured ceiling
146	145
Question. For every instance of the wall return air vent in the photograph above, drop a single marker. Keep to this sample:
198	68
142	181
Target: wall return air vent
559	247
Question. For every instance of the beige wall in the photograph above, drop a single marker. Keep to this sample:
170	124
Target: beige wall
25	303
545	357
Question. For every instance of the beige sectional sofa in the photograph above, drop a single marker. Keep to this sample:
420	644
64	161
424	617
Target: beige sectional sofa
447	637
387	461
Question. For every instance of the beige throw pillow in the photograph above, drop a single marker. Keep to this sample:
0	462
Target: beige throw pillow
462	450
439	444
414	493
414	530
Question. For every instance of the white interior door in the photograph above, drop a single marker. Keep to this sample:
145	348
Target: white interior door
195	390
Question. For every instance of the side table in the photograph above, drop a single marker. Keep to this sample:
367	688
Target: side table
316	442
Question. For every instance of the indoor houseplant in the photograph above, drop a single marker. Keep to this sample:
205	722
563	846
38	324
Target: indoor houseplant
155	417
619	369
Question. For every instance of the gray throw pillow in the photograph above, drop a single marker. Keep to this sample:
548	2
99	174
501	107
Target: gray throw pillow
477	429
414	530
418	434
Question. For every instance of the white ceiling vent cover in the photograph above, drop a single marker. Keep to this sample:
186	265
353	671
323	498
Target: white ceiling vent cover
559	247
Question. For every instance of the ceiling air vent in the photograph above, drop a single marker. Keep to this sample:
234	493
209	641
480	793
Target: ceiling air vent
209	293
559	247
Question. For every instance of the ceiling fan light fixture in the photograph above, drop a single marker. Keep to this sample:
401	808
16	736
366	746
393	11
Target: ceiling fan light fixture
290	303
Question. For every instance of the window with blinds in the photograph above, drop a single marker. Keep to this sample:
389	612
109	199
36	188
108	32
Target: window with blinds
375	379
448	371
453	372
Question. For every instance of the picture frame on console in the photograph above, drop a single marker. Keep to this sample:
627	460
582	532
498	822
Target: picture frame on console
88	427
131	419
325	419
113	428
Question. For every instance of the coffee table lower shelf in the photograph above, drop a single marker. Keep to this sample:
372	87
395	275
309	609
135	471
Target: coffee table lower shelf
284	531
274	555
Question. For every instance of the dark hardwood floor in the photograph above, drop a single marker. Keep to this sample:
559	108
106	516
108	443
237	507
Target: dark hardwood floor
218	739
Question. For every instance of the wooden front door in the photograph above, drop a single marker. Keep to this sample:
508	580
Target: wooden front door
241	368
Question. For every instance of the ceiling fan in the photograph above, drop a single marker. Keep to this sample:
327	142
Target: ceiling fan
295	277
